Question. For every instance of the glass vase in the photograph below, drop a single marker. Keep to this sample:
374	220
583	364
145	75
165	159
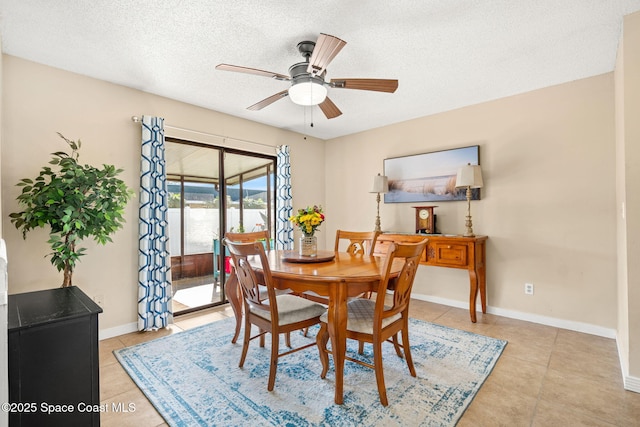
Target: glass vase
308	246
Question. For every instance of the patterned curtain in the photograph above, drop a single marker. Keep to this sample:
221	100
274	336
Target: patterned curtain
154	278
284	237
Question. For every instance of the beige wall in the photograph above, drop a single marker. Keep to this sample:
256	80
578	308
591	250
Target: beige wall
39	101
543	205
628	184
548	206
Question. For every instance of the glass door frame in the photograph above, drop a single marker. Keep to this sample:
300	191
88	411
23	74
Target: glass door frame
271	168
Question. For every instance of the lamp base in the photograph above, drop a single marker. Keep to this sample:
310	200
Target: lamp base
468	223
378	228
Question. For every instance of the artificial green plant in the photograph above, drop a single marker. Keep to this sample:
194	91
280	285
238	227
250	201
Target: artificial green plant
76	201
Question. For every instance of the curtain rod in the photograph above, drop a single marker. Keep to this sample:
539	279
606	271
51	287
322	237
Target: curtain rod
137	119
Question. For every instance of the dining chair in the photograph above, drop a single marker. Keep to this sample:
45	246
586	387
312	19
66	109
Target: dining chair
233	293
275	314
374	322
264	237
254	236
355	243
359	242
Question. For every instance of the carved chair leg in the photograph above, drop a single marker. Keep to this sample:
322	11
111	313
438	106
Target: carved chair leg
321	340
245	342
275	341
360	347
377	362
397	345
287	339
407	350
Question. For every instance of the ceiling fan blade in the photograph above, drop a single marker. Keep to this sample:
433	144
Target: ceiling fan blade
327	47
379	85
239	69
268	101
329	109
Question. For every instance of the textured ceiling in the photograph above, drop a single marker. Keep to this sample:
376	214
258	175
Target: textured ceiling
446	54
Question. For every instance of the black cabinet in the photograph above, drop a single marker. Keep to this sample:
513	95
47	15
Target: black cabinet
53	359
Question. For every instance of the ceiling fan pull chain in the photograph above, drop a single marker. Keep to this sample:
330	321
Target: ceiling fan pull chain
304	120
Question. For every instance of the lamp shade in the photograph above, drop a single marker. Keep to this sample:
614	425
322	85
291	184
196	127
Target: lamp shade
380	184
469	176
307	92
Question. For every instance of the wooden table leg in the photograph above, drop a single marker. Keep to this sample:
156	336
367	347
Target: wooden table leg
337	326
231	291
473	294
482	285
477	279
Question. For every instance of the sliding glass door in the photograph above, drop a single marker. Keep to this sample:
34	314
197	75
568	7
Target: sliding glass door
200	207
249	184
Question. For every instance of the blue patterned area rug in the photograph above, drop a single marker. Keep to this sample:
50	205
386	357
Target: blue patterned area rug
193	379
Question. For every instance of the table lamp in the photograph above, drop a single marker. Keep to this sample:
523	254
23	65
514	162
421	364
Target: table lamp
380	185
469	176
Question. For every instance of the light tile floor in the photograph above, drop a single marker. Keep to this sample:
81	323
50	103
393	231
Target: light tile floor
545	377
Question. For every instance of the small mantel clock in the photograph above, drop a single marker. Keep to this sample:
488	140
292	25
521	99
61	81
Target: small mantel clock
425	220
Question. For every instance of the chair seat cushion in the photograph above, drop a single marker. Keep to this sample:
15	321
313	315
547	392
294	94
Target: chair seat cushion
321	297
264	294
360	318
315	294
291	309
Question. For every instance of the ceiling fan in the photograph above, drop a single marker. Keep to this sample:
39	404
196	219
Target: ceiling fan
308	84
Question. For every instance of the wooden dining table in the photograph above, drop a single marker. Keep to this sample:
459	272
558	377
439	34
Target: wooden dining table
338	276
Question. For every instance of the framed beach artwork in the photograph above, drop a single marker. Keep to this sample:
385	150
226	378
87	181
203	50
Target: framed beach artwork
429	177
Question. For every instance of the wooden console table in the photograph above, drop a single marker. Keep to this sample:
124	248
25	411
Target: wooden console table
453	252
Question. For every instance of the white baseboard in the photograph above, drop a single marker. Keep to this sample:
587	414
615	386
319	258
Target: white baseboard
103	334
630	383
528	317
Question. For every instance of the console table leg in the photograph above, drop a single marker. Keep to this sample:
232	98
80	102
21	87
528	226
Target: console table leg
482	284
473	294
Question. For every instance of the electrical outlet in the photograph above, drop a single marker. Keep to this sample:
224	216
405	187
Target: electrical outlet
528	288
98	299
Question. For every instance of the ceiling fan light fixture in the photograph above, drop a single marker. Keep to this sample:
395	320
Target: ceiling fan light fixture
307	91
308	79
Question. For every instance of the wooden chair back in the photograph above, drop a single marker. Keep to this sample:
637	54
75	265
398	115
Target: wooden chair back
360	242
253	236
231	287
409	254
249	282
